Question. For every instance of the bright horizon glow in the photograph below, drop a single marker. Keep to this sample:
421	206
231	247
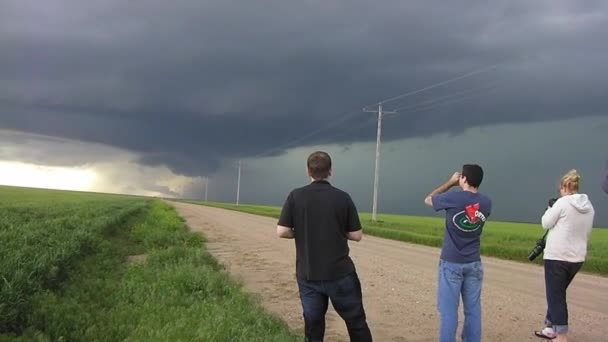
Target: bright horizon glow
48	177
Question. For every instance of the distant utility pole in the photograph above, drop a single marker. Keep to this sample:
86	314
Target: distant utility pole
376	175
238	185
206	188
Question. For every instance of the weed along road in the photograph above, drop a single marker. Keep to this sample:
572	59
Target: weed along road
399	283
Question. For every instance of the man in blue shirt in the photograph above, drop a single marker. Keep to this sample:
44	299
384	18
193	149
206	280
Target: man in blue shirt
460	268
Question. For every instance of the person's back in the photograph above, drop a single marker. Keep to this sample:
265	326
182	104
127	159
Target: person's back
321	218
570	221
460	271
465	216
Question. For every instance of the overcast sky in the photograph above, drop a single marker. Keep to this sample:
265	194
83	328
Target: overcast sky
156	94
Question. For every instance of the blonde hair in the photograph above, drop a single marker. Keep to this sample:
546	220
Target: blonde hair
571	181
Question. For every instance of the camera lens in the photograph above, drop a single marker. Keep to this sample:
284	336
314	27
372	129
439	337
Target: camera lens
535	252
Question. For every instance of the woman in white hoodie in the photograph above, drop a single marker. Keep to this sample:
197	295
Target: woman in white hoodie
569	221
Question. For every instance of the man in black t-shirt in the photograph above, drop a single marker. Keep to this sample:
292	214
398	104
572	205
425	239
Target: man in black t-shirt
322	219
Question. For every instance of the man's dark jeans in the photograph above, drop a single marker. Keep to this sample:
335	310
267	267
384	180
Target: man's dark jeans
558	276
346	298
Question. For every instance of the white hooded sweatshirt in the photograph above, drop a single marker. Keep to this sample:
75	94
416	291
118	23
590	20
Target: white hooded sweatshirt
570	222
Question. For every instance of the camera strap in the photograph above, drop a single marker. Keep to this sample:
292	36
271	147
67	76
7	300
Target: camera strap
545	235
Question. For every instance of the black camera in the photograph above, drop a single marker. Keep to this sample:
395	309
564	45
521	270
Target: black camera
552	201
540	243
540	246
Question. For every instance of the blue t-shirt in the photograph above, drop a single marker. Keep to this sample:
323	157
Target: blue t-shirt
466	214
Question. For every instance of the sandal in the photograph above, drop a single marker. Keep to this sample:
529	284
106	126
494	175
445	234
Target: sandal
545	334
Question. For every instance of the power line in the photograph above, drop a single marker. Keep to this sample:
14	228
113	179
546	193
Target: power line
332	124
422	106
355	128
416	108
350	114
409	109
283	146
413	92
342	119
439	104
439	99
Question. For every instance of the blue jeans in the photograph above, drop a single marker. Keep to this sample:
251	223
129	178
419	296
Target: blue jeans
558	276
346	298
456	280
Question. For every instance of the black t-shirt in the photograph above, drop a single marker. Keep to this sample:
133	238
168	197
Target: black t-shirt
321	216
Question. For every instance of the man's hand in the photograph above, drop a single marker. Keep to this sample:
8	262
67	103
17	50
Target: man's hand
455	179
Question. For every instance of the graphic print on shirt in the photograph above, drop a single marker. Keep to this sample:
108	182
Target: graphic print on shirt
470	219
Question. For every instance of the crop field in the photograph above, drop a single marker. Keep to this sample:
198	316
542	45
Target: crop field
79	266
505	240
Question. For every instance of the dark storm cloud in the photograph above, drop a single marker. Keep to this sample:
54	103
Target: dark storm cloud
189	83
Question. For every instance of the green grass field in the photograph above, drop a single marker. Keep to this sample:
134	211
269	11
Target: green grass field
86	267
505	240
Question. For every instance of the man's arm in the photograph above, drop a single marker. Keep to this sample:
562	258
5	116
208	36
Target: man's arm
285	232
354	231
442	188
549	219
285	225
355	236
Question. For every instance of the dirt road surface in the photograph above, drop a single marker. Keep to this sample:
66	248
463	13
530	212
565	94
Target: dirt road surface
399	284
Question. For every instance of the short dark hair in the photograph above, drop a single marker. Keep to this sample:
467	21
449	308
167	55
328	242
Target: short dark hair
473	173
319	165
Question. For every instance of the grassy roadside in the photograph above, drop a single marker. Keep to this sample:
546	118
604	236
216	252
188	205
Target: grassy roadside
44	235
505	240
145	277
